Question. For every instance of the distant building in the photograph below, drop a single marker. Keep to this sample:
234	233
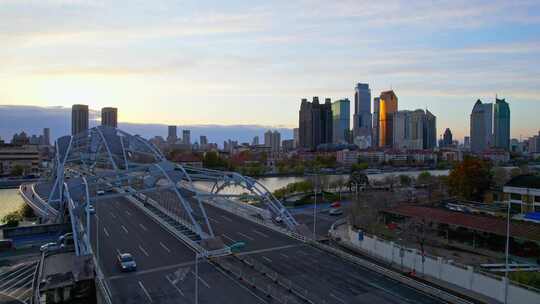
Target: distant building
315	123
534	144
523	193
20	139
296	137
347	157
203	141
255	141
501	124
186	137
109	117
172	136
481	126
341	113
375	129
272	139
467	142
447	138
79	119
362	119
46	137
430	131
408	129
388	105
287	145
25	156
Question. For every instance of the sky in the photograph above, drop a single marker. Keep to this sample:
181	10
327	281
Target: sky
251	62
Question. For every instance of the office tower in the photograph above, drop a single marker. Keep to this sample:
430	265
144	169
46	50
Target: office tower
255	141
296	137
341	113
171	137
388	104
481	126
534	144
272	139
501	124
109	117
467	142
79	118
375	130
186	137
46	137
362	119
430	131
203	141
447	140
315	123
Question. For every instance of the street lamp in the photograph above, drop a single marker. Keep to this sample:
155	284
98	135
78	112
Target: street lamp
507	252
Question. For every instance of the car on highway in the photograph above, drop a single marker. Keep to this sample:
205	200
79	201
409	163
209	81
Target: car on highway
336	211
335	205
66	240
126	262
52	246
100	192
91	209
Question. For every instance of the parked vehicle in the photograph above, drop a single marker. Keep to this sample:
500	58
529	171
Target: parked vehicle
126	262
52	246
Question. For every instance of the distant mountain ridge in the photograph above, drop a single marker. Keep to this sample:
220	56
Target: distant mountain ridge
32	120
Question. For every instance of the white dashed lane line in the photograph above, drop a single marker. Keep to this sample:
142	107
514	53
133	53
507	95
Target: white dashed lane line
106	232
143	227
145	291
246	236
260	233
143	251
125	229
165	247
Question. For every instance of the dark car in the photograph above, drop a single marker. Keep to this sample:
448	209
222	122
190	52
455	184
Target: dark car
126	262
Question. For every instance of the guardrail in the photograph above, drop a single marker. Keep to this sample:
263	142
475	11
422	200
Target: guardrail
44	212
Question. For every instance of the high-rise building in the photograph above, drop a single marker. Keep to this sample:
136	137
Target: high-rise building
272	139
315	123
203	141
467	142
408	131
362	119
430	131
255	141
534	143
186	137
109	117
171	135
447	140
296	137
501	124
79	118
375	130
341	113
481	126
46	136
388	105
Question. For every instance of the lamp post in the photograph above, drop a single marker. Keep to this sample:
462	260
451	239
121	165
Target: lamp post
507	252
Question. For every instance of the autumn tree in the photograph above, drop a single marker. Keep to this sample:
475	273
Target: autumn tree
470	179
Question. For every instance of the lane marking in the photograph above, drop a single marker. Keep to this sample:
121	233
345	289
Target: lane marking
228	238
128	213
143	227
112	214
201	279
267	259
337	298
284	255
20	288
174	285
164	247
18	285
260	233
227	218
106	232
125	229
246	236
145	291
144	251
213	220
118	251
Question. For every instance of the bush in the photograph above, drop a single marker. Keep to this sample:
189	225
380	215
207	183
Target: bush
26	211
527	278
12	219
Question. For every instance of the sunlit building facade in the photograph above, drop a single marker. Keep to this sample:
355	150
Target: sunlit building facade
388	104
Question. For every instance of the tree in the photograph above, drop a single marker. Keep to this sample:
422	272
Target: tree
515	172
17	170
470	179
12	219
405	180
359	166
212	160
424	178
500	176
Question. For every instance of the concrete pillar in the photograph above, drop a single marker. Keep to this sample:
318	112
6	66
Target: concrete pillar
470	273
392	247
440	266
503	290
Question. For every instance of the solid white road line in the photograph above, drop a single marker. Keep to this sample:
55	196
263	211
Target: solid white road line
125	229
145	291
284	255
164	247
267	259
337	298
228	238
227	218
106	232
176	287
260	233
144	251
246	236
201	279
143	227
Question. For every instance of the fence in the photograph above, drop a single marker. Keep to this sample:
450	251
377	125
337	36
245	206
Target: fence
444	270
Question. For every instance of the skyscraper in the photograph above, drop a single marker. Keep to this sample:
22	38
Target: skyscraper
408	129
79	118
315	123
388	104
501	124
341	113
447	140
296	137
186	137
46	136
481	126
255	141
109	117
375	130
362	119
272	139
171	137
430	131
203	141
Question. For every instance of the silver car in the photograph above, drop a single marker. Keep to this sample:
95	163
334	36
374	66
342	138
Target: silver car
126	262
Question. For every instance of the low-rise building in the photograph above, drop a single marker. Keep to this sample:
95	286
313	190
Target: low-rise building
497	156
347	157
26	156
523	193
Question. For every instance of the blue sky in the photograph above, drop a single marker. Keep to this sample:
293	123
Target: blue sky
250	62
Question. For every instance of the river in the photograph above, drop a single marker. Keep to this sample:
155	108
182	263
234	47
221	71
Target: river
10	200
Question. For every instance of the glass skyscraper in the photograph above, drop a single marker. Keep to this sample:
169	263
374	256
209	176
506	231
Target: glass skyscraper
341	112
501	124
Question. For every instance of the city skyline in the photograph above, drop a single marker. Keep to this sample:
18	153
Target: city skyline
259	53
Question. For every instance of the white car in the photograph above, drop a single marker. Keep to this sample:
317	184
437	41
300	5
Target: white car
49	247
336	211
100	192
